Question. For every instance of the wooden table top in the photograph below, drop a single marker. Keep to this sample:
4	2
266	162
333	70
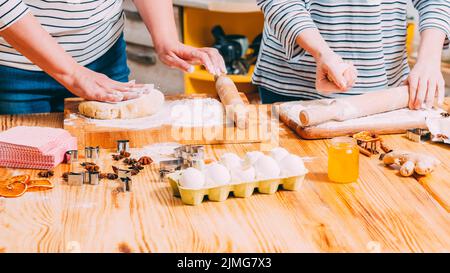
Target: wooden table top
381	212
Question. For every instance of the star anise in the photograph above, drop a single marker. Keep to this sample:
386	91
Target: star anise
46	174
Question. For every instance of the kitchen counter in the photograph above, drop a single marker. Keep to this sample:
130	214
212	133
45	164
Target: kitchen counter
381	212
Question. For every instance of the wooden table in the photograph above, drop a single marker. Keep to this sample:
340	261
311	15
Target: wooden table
382	212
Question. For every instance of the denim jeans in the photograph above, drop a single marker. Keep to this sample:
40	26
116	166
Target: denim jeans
26	92
267	96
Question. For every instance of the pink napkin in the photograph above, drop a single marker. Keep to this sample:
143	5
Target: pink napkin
34	147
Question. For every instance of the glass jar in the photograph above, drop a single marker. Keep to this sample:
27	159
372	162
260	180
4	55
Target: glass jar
343	160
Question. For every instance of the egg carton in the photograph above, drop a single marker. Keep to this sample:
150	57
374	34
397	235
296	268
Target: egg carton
241	190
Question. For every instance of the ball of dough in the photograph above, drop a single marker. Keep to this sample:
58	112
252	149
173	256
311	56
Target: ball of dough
278	153
216	174
146	105
292	165
266	168
192	178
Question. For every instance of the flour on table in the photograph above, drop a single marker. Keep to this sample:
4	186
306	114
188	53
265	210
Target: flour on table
203	112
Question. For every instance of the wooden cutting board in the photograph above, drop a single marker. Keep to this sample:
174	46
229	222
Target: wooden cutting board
93	134
394	122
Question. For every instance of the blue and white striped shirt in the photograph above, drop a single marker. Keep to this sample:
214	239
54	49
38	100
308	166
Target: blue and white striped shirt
370	33
86	29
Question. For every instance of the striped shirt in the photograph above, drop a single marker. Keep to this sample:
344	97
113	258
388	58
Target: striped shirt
86	29
370	33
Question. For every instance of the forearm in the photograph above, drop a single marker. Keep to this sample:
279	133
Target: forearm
430	48
313	43
159	19
29	38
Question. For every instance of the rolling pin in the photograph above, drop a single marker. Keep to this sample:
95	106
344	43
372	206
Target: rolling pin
357	106
234	105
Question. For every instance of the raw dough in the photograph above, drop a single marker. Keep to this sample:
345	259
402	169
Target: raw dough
146	105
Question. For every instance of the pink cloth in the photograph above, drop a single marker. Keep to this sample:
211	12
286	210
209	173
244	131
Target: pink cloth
34	147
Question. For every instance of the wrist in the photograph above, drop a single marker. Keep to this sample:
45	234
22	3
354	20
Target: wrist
67	74
165	45
326	55
429	60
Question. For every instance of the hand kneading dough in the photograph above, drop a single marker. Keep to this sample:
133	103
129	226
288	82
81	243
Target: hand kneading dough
146	105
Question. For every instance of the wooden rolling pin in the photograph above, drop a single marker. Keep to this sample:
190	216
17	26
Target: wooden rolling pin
357	106
234	105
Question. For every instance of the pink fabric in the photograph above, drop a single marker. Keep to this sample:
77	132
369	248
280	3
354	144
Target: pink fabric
34	147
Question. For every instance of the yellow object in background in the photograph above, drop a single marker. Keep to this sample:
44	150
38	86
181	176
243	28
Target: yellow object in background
343	160
410	37
197	26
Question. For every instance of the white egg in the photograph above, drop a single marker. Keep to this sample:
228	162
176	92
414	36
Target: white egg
231	161
278	153
292	165
192	178
266	168
252	157
217	174
239	175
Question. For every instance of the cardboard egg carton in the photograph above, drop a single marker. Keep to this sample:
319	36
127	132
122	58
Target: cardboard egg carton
240	190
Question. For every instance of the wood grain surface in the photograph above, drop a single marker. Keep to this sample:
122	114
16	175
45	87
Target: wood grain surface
382	212
90	134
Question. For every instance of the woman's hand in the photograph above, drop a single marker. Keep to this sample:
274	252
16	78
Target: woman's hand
426	84
183	57
334	74
91	85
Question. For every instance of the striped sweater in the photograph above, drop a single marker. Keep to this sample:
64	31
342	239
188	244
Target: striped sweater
370	33
86	29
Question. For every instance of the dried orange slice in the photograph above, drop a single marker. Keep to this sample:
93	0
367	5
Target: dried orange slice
14	189
19	178
39	184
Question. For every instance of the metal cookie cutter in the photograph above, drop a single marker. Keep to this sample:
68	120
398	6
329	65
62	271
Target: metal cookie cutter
418	135
71	156
91	154
92	178
75	179
125	178
192	155
123	145
169	166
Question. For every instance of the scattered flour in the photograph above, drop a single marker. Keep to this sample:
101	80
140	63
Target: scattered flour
204	112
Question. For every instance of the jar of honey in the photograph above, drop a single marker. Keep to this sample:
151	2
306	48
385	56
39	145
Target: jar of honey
343	160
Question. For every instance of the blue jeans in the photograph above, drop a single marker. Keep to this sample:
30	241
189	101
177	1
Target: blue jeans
26	92
268	97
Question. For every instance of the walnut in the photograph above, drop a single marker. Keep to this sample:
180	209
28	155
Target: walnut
92	168
145	160
112	176
125	154
46	174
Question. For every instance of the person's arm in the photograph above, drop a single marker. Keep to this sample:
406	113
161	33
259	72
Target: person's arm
426	83
28	37
160	22
291	24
